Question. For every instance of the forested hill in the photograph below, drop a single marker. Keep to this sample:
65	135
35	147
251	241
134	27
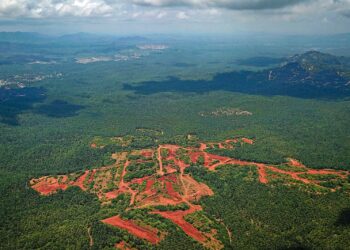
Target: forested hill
313	69
309	75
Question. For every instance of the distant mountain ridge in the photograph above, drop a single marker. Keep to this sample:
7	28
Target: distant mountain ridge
309	75
313	68
17	45
315	60
23	37
80	36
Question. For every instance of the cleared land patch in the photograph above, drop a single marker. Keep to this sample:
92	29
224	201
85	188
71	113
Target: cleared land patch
156	179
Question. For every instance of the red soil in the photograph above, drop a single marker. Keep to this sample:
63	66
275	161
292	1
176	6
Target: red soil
295	163
133	196
246	140
170	170
217	157
112	194
80	181
149	234
170	177
262	175
294	175
149	185
231	140
121	183
341	174
139	180
123	246
203	146
194	190
187	188
168	180
177	217
147	154
195	155
92	176
261	167
47	186
159	157
171	150
171	192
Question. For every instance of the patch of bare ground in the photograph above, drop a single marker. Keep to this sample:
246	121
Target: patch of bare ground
247	140
149	234
123	246
169	185
91	240
226	111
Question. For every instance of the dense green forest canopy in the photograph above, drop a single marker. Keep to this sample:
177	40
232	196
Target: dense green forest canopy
58	94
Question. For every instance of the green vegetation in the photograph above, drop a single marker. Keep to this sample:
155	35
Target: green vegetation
200	160
286	216
47	128
139	169
200	221
182	206
164	152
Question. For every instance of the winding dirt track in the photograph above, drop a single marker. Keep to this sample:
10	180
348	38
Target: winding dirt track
177	217
141	232
160	162
175	187
91	240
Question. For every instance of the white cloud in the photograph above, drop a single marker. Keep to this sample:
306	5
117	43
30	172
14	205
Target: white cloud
162	14
54	8
227	4
12	7
148	14
182	15
181	9
213	12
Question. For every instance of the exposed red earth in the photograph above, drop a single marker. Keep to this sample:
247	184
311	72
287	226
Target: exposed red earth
247	140
169	185
149	185
149	234
147	153
295	163
80	181
113	194
178	218
91	178
160	162
122	246
47	185
262	175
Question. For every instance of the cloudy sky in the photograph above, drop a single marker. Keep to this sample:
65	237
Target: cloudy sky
176	16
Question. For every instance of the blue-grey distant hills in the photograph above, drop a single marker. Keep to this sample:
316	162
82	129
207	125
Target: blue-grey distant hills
26	47
81	37
309	75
